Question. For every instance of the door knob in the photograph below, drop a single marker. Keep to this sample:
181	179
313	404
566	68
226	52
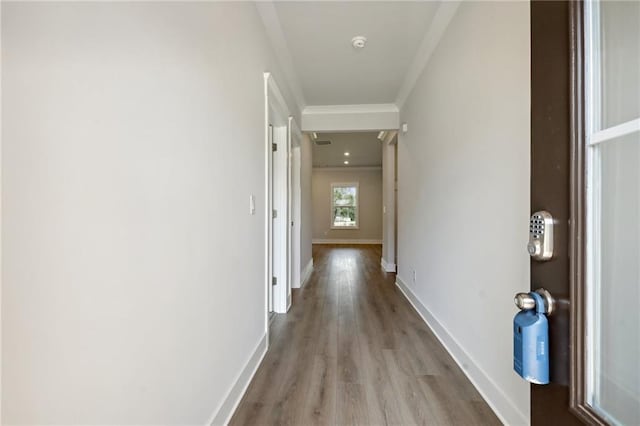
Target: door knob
524	301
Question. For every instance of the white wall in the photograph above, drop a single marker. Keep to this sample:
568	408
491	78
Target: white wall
370	204
306	204
464	192
132	138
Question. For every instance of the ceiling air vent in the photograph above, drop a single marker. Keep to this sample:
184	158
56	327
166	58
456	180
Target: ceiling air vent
323	142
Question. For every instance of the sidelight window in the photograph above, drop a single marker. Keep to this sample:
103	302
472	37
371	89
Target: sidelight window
612	77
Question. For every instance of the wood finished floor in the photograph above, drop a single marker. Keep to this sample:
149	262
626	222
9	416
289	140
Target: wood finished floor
353	351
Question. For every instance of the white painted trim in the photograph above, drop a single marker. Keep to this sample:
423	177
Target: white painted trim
267	205
442	18
349	109
278	103
228	406
273	29
501	404
306	273
348	169
387	266
390	138
296	133
1	212
615	132
344	241
350	118
295	200
291	127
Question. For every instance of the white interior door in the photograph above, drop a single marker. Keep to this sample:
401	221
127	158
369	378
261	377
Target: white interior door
295	217
280	286
270	287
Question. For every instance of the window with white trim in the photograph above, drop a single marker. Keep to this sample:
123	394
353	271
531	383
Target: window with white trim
344	206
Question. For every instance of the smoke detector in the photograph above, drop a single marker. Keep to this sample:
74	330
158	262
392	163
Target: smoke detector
358	42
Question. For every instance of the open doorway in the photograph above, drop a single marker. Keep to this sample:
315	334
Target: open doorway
389	258
277	207
353	190
347	188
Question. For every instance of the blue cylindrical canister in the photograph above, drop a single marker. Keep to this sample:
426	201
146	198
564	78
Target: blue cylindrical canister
531	343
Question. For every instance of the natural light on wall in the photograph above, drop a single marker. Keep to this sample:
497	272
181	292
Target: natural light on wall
612	51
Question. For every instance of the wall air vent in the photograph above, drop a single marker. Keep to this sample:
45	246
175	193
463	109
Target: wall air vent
323	142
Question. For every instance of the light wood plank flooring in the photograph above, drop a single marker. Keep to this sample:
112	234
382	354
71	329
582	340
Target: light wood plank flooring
353	351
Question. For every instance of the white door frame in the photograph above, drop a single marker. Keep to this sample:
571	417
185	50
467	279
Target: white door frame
389	212
295	203
277	115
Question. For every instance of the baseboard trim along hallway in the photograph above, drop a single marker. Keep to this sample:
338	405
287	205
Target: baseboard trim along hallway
341	241
503	407
387	266
306	273
223	414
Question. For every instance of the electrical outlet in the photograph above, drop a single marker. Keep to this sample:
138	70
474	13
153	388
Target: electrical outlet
414	276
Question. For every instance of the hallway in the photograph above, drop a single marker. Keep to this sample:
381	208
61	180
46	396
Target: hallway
352	350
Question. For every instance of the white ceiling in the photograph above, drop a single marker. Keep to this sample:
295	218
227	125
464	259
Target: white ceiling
317	35
364	150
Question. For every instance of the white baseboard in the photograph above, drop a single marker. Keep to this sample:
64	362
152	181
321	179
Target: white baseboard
306	273
344	241
222	416
503	407
388	267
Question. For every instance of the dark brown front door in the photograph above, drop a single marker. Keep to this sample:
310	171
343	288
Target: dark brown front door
551	78
585	157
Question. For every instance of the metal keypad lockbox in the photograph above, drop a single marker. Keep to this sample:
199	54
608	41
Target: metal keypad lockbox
531	338
540	245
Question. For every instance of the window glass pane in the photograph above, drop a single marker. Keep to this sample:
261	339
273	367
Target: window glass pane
344	216
616	297
344	196
620	61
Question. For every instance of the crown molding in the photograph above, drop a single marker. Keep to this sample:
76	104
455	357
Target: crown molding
443	16
273	28
269	16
